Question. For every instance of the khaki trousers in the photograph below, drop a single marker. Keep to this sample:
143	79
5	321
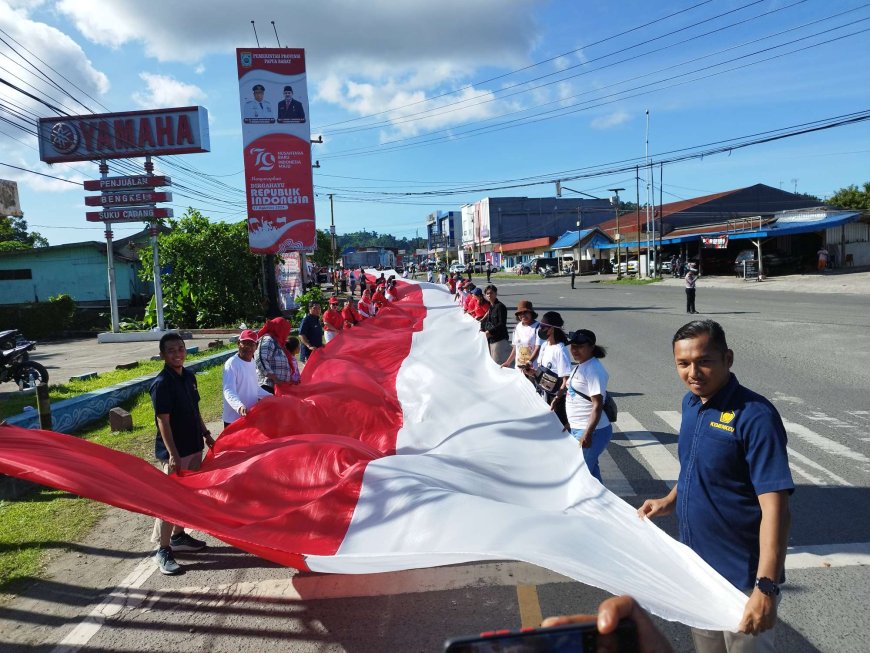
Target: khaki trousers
163	530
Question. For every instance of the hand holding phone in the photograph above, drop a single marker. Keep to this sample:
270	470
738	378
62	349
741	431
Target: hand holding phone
571	638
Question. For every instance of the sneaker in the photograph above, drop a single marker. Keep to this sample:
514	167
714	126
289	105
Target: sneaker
165	562
184	542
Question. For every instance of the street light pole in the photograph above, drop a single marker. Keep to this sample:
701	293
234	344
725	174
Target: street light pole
332	232
615	201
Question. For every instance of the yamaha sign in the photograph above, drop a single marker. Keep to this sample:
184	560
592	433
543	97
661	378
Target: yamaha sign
123	135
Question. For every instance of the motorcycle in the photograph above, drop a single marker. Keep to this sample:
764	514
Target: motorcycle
546	271
15	363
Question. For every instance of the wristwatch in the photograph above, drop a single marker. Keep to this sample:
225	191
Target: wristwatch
767	586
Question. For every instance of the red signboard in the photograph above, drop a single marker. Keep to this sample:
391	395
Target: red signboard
124	199
123	135
127	183
146	214
277	150
714	242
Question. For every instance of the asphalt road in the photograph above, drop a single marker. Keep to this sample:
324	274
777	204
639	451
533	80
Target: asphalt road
809	353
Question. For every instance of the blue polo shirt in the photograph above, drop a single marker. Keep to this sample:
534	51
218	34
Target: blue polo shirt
732	449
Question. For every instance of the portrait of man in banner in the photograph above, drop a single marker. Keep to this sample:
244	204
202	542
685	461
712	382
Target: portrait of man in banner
290	110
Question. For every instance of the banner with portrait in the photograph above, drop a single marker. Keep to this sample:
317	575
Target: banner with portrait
276	137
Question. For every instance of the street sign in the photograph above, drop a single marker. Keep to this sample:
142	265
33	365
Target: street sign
128	215
127	199
127	183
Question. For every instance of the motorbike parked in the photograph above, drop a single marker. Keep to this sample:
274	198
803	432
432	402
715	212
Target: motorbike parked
547	271
15	363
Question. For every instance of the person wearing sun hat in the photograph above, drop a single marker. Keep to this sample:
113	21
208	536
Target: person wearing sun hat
526	342
240	388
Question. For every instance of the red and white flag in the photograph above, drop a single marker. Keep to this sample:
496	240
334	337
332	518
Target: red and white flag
404	446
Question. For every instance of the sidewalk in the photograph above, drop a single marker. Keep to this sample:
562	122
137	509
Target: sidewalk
848	282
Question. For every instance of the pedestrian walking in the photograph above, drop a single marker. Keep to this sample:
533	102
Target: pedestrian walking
823	255
573	275
488	271
732	493
691	279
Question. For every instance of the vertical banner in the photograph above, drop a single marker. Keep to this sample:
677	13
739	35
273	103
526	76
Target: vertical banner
288	275
277	149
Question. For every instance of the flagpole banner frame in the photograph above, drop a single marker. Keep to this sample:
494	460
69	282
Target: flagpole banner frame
276	137
374	463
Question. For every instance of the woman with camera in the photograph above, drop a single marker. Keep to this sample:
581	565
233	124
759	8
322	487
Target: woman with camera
585	391
554	363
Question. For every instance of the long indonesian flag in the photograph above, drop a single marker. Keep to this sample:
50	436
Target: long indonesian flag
404	446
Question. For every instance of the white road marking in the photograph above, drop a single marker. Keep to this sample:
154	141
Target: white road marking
833	422
119	597
825	444
797	469
794	455
828	555
672	418
614	479
643	443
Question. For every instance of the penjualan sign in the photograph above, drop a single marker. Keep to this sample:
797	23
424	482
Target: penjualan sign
123	135
127	183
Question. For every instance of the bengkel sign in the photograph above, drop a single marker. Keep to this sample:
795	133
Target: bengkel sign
128	134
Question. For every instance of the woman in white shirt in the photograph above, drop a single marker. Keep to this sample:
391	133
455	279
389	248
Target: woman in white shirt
553	354
526	342
586	389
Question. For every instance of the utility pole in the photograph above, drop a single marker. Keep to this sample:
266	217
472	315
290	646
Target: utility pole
615	201
637	214
332	231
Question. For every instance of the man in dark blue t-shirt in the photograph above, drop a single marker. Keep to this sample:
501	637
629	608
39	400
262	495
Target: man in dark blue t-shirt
310	332
732	494
180	439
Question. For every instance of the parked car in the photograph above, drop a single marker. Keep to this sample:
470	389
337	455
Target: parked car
458	267
773	262
625	267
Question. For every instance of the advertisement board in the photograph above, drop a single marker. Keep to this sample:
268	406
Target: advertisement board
276	137
9	204
714	242
288	275
123	135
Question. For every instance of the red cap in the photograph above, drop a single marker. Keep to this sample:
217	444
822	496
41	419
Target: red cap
333	300
248	334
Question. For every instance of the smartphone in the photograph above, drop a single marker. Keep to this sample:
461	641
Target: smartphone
576	638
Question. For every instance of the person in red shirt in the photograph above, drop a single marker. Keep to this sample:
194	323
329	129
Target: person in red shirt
482	307
470	302
350	314
365	306
333	322
451	283
379	299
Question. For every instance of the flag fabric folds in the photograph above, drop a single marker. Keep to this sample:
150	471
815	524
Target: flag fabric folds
404	446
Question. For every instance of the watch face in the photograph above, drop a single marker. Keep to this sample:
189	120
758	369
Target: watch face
767	586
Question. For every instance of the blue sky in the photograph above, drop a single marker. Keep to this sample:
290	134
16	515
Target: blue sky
396	86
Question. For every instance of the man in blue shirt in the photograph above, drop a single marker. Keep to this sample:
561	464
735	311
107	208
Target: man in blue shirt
731	497
310	332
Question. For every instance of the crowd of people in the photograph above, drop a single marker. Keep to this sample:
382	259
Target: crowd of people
731	497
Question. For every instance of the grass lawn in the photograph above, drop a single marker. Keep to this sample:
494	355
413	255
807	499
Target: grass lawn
14	403
43	520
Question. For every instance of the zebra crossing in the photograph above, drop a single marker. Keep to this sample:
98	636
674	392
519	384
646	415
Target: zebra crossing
641	441
661	458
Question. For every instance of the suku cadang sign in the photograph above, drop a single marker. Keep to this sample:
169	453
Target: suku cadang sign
124	135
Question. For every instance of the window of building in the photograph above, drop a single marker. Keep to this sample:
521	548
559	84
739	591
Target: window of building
13	275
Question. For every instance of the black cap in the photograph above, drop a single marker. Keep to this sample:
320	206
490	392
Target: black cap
259	87
581	337
552	318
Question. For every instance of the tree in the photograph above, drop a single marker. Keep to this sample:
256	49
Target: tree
852	197
14	235
322	256
211	278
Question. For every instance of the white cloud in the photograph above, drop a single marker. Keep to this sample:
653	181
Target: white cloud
611	120
199	70
166	91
